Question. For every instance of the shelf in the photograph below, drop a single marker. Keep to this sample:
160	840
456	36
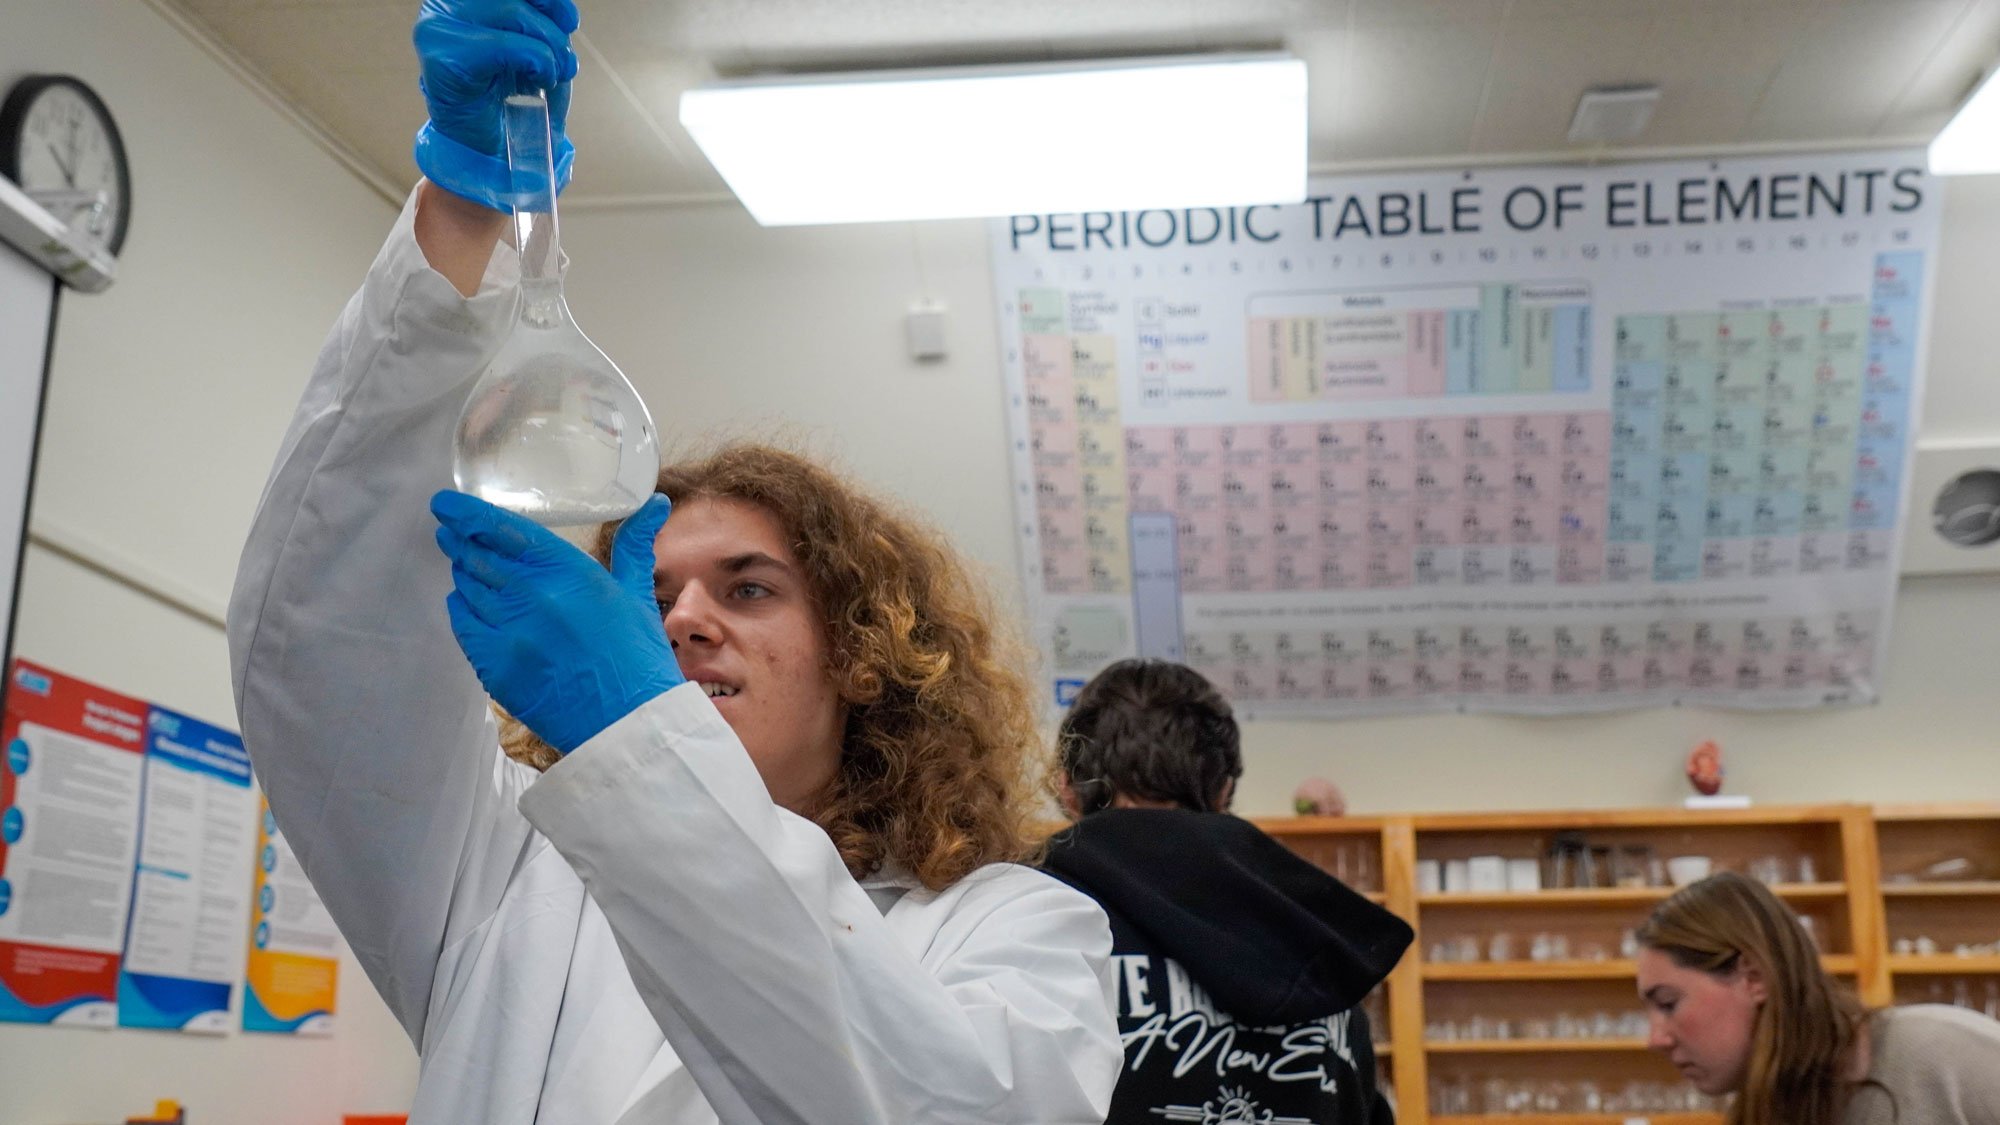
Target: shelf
1968	889
1530	970
1629	818
1582	1118
1584	896
1287	826
1529	1046
1610	896
1836	963
1942	963
1961	810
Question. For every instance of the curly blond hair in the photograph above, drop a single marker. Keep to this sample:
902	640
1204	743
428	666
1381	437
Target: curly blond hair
941	766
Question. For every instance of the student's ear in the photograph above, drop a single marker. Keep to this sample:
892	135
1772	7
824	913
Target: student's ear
1066	795
1753	982
1228	795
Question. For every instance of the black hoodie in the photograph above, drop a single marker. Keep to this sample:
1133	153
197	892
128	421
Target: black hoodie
1240	970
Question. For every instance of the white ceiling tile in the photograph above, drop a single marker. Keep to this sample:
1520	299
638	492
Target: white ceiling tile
1847	69
378	112
818	26
618	154
1390	79
1534	12
1540	69
216	13
1325	53
1713	61
632	135
301	47
1937	88
665	28
1427	13
1409	90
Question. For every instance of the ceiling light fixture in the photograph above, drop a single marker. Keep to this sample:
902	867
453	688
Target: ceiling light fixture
1969	144
1124	135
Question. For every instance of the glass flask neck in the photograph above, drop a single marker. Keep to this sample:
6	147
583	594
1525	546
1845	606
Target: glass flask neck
542	304
530	161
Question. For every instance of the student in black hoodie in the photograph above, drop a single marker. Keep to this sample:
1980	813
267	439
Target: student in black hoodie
1241	967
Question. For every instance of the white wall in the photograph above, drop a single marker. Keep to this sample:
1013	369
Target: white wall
167	398
171	391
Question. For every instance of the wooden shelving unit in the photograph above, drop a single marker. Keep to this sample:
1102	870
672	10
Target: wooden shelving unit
1940	871
1862	888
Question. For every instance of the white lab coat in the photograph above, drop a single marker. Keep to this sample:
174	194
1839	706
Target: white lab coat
638	935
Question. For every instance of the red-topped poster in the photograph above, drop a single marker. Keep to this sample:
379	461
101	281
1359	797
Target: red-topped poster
69	827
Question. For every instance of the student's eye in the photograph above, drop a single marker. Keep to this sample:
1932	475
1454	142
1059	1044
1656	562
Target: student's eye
666	605
753	590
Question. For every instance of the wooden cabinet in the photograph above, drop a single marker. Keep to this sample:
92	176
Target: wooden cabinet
1524	999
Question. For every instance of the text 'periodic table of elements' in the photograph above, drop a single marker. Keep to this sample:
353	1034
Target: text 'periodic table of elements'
1528	440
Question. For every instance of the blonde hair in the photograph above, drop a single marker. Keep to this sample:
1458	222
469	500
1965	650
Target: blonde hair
1808	1025
941	765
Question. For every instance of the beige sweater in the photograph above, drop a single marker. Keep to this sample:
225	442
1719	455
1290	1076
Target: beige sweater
1931	1064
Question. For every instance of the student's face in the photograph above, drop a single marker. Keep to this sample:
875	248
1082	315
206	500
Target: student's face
1700	1021
743	626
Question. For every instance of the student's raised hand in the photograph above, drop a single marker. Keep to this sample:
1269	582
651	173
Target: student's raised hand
564	645
473	54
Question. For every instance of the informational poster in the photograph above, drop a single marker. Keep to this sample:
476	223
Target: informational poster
1534	440
69	826
191	896
294	948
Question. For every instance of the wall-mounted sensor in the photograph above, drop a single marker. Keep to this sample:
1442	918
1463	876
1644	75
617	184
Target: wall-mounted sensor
1967	511
1954	487
924	326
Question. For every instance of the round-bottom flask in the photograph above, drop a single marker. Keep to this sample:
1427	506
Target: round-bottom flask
552	429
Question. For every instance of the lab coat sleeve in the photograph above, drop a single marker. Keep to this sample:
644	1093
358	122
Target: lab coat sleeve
788	994
366	727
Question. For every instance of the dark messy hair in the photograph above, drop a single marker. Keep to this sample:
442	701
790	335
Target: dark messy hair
1153	730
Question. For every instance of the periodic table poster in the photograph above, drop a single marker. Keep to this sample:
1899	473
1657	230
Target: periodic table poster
1532	440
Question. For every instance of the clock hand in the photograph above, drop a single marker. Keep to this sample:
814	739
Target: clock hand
68	170
75	146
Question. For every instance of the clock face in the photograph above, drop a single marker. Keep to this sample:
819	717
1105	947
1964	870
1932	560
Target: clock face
58	142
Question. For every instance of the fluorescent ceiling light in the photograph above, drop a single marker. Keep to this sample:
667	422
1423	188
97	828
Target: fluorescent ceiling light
1969	143
1199	131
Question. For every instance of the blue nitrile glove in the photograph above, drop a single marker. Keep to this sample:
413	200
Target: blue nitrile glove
473	54
565	646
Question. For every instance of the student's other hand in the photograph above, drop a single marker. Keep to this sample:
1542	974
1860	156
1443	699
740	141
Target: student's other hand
564	645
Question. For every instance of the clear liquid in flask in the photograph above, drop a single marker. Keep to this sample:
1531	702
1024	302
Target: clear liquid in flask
552	430
549	443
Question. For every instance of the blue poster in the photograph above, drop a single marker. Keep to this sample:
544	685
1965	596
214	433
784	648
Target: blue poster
191	895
